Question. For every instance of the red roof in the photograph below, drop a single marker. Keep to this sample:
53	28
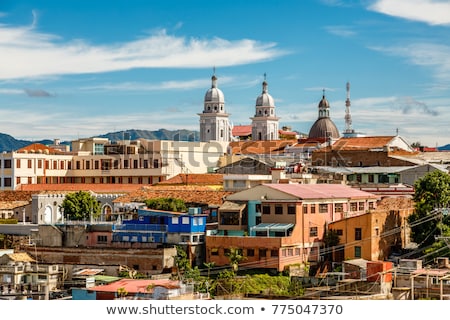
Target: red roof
136	285
259	147
189	194
39	148
322	191
194	179
94	187
243	130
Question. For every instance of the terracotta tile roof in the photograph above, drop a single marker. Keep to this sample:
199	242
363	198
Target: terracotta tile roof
189	194
313	142
243	130
9	205
71	187
10	196
20	257
194	179
362	143
136	285
322	191
287	133
259	147
39	148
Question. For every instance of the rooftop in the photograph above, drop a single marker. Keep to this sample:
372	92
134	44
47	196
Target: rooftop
321	191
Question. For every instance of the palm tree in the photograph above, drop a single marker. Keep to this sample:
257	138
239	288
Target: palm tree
235	256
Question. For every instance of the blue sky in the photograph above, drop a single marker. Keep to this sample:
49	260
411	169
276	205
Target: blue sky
73	69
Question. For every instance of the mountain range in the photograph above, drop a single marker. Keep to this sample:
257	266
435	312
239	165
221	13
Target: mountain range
9	143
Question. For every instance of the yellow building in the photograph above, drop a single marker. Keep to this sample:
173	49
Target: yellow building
375	234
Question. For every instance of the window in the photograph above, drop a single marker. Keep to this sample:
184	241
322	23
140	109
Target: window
371	206
135	164
7	163
371	178
125	163
278	209
39	164
262	253
155	163
185	220
313	232
174	220
18	163
339	232
305	208
358	233
361	206
250	252
7	182
145	164
214	252
266	210
313	208
96	164
29	163
274	253
61	165
323	208
353	206
357	252
78	165
338	207
88	165
292	209
102	239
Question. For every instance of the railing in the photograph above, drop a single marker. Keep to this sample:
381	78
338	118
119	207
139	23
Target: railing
139	227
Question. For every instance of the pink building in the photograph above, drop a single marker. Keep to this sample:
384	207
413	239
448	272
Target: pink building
279	225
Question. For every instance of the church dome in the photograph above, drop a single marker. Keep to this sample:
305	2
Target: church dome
214	94
323	128
265	99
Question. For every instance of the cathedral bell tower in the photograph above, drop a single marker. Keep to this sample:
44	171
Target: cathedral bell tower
214	122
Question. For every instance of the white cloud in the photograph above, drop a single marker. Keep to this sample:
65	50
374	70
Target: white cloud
341	31
433	12
25	53
434	56
165	85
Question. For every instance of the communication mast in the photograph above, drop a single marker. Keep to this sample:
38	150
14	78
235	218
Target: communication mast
348	116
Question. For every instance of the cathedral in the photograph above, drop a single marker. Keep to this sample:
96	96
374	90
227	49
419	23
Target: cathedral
215	124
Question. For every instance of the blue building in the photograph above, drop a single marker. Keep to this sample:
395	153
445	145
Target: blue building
186	229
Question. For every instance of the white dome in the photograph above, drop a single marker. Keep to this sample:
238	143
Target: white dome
265	99
214	94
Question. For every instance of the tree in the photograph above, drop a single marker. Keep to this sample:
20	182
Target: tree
431	191
331	239
80	205
235	256
166	204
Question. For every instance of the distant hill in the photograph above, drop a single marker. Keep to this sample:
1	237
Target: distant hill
444	148
9	143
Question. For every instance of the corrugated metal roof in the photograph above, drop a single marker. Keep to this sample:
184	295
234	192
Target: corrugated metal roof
272	227
136	285
321	191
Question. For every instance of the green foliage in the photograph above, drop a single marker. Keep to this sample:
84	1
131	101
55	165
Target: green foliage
331	238
80	206
8	221
166	204
235	256
431	191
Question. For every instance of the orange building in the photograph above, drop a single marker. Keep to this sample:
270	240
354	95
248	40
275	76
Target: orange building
278	225
375	234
